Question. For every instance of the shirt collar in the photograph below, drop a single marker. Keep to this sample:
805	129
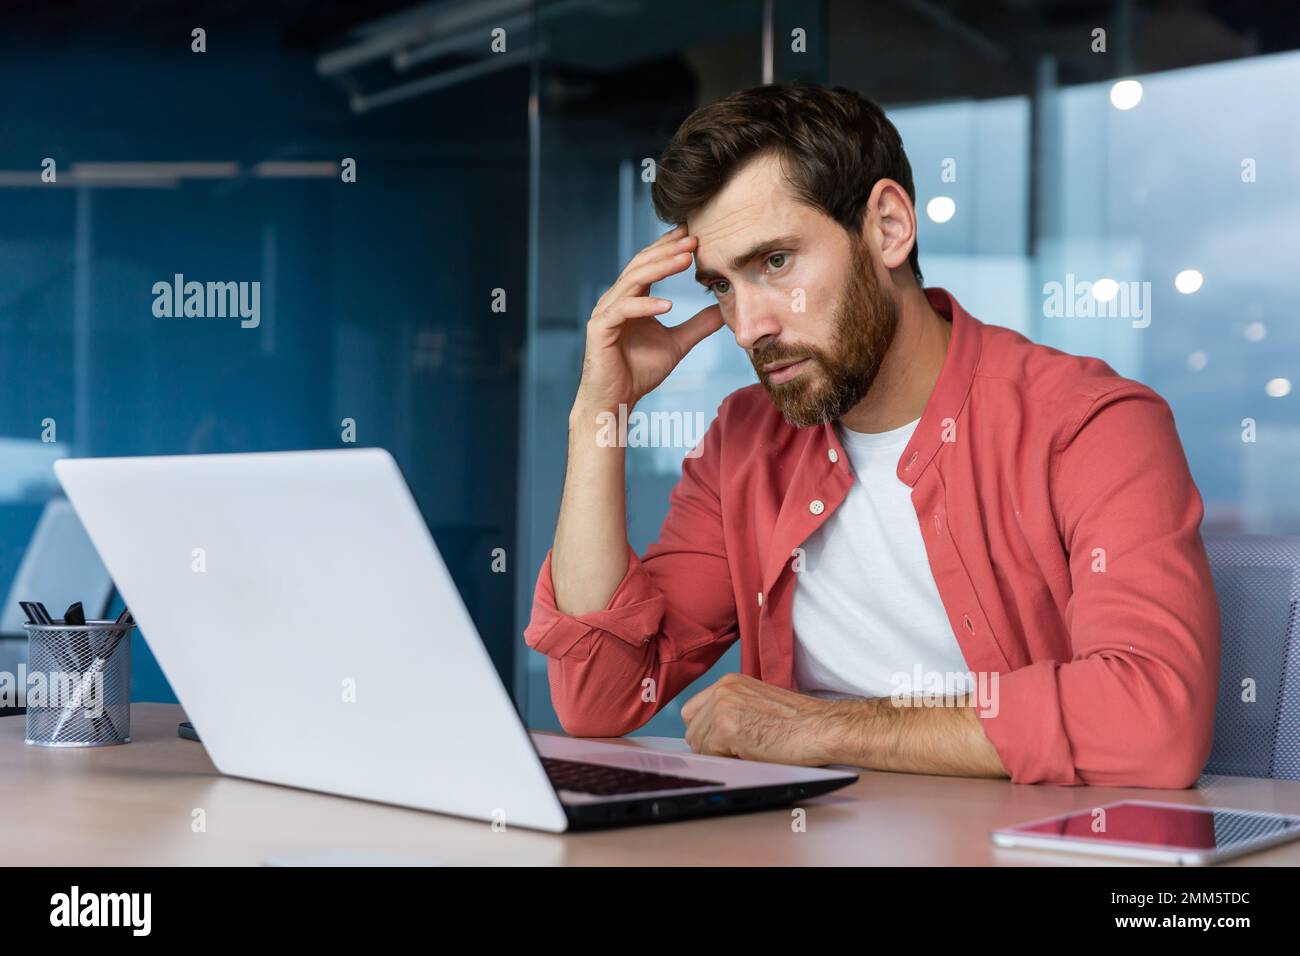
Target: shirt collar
949	394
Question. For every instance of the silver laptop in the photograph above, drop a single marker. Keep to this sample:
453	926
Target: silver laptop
300	609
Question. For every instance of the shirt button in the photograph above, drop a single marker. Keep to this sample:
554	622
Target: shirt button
760	598
816	506
833	455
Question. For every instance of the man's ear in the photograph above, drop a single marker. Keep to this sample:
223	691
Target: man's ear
889	224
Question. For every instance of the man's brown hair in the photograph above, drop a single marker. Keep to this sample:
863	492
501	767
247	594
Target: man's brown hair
834	145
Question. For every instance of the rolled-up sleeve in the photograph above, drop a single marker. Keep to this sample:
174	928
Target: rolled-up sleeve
633	615
1134	705
668	621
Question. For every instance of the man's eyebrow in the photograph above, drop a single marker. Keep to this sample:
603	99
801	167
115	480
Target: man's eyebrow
749	255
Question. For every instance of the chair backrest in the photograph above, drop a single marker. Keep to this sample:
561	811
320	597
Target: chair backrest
1257	721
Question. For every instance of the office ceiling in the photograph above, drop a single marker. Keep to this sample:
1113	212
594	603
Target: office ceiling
902	50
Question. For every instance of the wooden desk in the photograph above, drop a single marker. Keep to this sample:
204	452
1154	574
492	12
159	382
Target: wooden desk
134	804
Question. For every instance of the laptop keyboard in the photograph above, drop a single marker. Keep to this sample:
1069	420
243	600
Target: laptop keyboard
603	780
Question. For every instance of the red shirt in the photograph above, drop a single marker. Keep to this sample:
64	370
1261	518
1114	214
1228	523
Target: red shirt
1060	522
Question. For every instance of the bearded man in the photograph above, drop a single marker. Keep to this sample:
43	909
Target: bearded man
944	548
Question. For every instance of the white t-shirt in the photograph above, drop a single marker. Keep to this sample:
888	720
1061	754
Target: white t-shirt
866	607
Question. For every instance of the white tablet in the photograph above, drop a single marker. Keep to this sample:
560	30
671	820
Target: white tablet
1146	830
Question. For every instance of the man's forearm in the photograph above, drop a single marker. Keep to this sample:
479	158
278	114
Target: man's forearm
880	734
590	554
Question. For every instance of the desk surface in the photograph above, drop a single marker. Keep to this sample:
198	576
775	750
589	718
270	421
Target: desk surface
134	805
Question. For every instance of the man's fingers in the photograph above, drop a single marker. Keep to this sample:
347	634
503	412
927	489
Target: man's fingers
711	739
673	234
630	307
674	244
607	324
638	277
671	244
676	234
657	251
692	706
697	328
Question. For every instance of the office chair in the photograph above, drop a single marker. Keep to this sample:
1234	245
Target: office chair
1257	579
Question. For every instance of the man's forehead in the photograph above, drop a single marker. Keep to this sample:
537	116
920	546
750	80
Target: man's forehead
728	224
748	209
756	190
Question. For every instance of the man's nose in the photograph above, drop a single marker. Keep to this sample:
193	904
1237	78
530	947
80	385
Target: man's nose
753	320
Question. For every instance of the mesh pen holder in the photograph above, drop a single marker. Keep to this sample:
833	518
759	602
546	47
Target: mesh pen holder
79	684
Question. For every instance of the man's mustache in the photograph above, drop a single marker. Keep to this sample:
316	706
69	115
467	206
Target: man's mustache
770	355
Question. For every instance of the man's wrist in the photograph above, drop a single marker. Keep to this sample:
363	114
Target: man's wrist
851	730
588	417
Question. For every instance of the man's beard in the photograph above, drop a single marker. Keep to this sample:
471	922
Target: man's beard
863	322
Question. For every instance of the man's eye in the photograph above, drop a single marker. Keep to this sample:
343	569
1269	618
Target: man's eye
776	260
721	287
